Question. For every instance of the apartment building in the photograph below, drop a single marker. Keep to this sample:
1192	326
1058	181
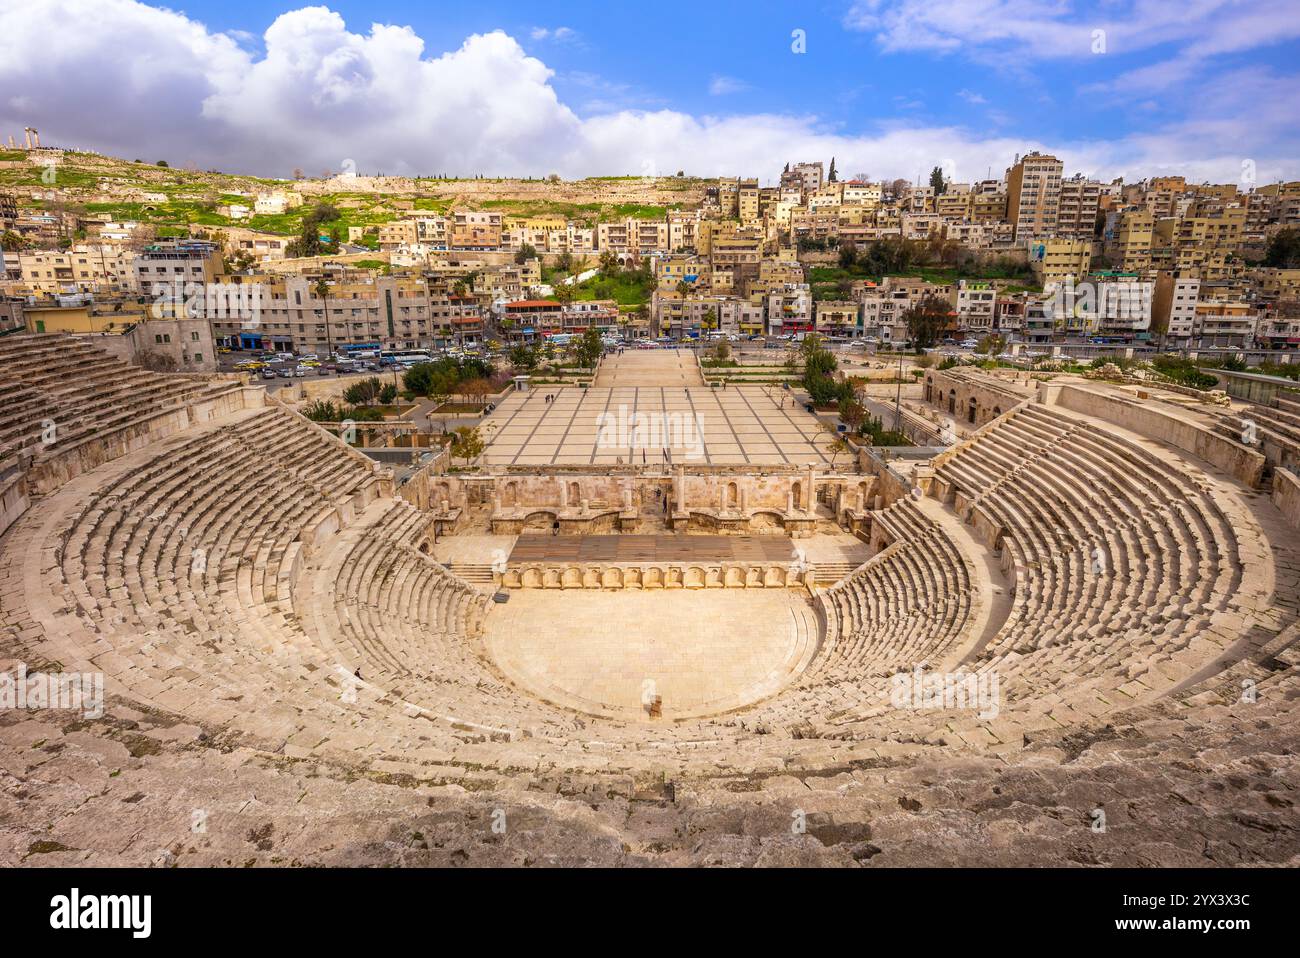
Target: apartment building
747	203
693	270
263	247
1173	306
82	269
790	309
1033	196
1279	330
1276	285
398	234
1129	249
953	205
860	193
474	230
358	308
530	319
838	318
974	302
683	230
696	314
176	262
1223	323
1054	260
988	207
1077	208
810	175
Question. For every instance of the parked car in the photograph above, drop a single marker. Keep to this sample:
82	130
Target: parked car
268	373
285	374
324	370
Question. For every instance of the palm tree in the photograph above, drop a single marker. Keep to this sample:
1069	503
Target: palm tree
323	292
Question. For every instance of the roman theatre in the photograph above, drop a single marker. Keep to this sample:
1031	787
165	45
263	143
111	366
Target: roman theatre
653	623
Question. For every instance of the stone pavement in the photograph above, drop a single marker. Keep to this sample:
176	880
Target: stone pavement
650	367
607	653
735	426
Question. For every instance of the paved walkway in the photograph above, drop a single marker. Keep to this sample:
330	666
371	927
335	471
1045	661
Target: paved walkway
650	367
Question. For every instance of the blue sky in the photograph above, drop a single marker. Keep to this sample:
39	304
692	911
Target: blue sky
1119	87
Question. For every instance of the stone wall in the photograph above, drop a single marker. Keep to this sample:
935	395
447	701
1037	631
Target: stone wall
970	399
715	502
13	497
63	464
1286	495
1156	422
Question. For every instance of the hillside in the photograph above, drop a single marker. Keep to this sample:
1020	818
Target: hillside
174	199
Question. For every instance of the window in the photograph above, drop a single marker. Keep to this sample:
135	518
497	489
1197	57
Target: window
194	337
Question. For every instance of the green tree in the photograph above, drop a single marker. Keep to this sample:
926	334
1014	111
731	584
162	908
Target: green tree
388	394
926	320
588	348
467	443
525	252
852	412
1283	251
936	181
837	445
363	393
523	356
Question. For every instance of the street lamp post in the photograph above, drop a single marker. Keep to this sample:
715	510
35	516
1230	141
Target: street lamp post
898	397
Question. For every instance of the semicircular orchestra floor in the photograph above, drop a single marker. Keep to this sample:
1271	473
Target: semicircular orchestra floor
700	652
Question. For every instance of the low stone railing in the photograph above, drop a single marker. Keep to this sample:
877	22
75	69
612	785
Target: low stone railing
659	575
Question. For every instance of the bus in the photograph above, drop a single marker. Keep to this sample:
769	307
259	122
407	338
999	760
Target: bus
405	357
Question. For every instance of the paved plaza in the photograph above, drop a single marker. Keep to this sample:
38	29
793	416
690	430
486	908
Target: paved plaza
636	424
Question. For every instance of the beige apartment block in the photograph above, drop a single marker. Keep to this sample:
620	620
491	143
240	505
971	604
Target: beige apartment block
1077	208
77	270
1033	195
1054	260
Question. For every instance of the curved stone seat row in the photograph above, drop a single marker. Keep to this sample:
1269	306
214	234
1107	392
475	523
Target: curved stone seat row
1113	552
67	390
905	605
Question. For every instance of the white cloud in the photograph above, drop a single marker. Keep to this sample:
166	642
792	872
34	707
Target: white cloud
558	33
971	97
137	81
723	85
1039	30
